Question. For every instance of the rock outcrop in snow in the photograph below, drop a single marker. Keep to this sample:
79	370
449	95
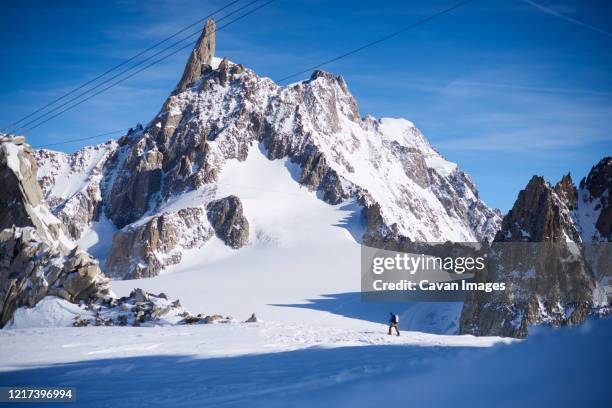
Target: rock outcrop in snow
141	251
553	254
230	224
137	309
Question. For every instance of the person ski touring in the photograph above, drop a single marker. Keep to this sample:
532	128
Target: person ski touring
393	323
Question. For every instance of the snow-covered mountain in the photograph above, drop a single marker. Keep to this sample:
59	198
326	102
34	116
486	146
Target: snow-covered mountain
159	181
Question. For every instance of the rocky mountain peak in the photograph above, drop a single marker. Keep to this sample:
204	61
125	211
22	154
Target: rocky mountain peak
599	178
566	189
541	213
201	56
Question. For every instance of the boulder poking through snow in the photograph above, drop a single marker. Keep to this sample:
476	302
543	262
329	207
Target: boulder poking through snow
253	319
228	221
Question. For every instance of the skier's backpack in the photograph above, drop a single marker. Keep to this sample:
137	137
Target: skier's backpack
396	318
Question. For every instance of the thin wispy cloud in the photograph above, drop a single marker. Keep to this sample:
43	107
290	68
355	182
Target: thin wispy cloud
529	139
483	111
473	86
486	79
557	14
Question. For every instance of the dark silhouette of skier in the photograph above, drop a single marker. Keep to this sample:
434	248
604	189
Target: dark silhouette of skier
393	323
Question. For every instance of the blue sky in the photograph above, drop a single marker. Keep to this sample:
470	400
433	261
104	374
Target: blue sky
500	87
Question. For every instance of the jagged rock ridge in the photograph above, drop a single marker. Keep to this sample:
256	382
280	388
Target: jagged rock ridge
142	250
554	253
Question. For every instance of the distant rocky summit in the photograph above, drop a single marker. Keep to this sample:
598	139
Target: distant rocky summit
595	200
554	253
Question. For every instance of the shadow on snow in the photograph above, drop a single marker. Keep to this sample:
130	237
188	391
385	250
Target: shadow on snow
184	381
429	317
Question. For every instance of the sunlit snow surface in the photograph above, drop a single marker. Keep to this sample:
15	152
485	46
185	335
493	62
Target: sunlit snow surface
307	365
302	263
97	239
319	344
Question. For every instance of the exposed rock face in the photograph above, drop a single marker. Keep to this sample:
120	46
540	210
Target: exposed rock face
17	179
566	190
596	202
31	269
547	283
539	214
200	56
141	251
227	219
551	275
140	178
20	201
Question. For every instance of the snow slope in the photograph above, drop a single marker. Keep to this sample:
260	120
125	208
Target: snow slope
302	264
49	312
64	175
566	367
211	365
97	238
269	365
